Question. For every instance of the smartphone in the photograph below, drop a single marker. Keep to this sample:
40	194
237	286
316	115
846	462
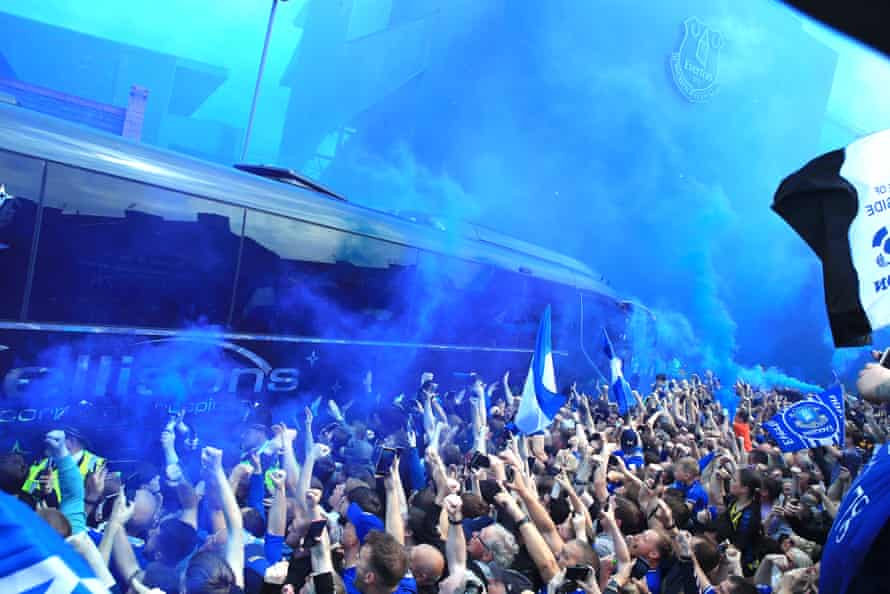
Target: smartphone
479	460
555	491
511	473
531	464
885	358
613	460
384	462
313	535
578	573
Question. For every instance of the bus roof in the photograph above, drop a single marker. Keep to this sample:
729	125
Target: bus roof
33	134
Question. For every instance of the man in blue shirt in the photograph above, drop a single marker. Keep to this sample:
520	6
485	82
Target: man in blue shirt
381	567
631	450
686	473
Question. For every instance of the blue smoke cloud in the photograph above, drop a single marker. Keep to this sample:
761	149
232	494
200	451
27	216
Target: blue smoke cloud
572	136
559	123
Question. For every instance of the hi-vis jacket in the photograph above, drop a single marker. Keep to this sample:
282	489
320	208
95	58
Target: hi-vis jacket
89	462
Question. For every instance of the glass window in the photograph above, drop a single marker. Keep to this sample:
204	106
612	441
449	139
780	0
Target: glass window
303	279
21	178
491	307
118	252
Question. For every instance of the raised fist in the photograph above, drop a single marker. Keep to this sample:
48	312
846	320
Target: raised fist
453	507
211	458
55	443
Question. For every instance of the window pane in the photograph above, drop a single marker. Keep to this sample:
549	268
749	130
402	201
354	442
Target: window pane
476	304
118	252
21	177
302	279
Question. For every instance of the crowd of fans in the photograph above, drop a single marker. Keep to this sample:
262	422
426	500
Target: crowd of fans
438	493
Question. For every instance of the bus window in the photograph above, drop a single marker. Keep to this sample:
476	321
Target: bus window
303	279
118	252
21	178
469	303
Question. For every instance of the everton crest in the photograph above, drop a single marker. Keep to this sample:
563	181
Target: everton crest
694	65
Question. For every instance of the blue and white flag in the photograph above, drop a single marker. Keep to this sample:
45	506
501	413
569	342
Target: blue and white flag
35	559
860	518
540	400
619	389
810	423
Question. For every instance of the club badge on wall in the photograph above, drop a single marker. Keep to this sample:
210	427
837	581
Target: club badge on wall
695	64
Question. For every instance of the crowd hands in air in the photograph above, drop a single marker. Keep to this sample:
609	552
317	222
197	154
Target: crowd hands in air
435	493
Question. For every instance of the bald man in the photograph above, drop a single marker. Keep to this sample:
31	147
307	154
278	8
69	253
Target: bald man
427	566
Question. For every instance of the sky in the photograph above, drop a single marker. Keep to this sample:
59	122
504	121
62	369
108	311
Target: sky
559	123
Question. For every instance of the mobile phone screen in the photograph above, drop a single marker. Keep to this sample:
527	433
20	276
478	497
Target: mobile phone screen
578	573
479	460
314	533
384	463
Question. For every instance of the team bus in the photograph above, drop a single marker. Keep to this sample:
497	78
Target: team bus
136	279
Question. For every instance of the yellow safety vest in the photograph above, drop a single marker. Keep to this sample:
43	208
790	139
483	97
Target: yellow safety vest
88	463
267	476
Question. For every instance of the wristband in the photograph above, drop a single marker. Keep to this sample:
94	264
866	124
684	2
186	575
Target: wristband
522	522
455	522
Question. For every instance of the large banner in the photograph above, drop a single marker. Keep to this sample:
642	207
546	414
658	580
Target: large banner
861	517
810	423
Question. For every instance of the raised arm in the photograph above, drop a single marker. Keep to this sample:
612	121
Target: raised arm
540	516
288	458
316	451
455	548
537	547
70	481
395	525
508	393
277	524
121	512
276	527
607	518
578	507
211	461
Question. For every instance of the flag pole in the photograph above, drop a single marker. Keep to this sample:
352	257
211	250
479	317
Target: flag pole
259	79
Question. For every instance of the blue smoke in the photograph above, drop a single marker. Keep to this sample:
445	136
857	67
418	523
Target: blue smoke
555	122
